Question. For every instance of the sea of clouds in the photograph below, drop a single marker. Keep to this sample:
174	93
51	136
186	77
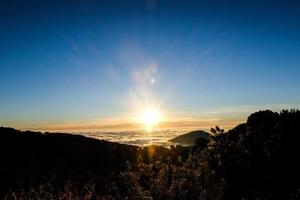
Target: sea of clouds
138	138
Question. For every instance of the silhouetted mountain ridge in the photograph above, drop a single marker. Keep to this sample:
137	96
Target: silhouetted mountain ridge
27	155
255	160
190	138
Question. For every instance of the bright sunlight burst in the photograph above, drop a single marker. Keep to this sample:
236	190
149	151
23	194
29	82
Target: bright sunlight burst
150	117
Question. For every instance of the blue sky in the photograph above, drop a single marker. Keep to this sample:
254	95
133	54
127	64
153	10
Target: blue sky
79	61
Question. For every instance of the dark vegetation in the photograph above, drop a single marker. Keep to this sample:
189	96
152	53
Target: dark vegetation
256	160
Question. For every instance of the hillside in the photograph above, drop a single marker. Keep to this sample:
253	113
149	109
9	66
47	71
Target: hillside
254	160
27	157
189	138
56	160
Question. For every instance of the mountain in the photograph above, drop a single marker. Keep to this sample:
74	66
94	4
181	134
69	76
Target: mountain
31	157
255	160
189	138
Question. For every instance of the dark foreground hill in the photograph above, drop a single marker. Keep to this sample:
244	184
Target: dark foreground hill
189	138
54	161
255	160
27	158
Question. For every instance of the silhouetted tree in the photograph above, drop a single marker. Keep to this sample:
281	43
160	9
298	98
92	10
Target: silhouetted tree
255	160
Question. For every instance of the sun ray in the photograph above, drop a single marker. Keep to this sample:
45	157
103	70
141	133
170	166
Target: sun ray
150	117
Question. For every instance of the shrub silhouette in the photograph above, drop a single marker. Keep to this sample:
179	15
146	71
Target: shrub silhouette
255	160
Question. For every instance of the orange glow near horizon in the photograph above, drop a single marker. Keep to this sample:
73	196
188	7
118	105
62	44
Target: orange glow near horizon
150	117
163	122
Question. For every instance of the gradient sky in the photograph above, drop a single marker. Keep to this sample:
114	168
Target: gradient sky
96	63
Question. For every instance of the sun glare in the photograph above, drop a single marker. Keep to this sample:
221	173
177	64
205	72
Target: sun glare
150	118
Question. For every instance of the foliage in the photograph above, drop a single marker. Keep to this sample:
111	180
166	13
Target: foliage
255	160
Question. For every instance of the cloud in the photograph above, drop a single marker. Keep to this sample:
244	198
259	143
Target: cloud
225	117
123	124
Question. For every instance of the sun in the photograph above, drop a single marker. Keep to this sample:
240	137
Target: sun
150	118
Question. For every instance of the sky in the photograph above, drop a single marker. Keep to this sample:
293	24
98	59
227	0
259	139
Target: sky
96	64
